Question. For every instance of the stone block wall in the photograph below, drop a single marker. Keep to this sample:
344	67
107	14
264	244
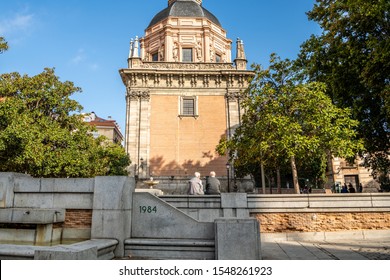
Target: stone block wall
296	213
315	215
67	209
103	208
322	222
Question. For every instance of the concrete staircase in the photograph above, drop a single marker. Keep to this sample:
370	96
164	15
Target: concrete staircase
163	249
159	230
164	232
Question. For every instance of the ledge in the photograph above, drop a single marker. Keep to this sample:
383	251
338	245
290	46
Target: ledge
155	192
316	210
101	249
32	216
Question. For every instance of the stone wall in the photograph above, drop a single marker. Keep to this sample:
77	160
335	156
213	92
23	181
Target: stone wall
322	217
322	222
104	208
296	213
64	210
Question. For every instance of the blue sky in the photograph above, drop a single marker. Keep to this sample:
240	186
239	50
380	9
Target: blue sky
87	41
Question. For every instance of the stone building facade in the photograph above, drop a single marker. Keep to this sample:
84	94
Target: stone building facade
183	93
340	172
104	127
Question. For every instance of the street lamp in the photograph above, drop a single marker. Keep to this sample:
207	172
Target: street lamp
228	175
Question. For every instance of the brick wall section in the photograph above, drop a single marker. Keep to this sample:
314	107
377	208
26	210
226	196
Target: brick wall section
76	218
322	222
181	146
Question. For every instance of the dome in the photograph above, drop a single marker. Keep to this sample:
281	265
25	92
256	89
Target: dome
184	8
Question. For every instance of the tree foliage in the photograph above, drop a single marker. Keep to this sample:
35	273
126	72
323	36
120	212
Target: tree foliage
289	121
42	134
352	57
3	45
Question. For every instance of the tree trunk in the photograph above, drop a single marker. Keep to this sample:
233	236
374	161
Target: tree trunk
262	178
295	175
278	180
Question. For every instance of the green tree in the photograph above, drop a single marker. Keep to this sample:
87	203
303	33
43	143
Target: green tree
115	159
43	134
286	120
3	45
352	57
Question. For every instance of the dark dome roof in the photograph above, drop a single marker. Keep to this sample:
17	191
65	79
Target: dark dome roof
184	8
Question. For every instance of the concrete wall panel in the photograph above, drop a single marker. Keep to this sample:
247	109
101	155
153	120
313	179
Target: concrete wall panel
154	218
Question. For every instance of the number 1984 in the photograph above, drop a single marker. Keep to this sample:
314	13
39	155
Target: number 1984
148	209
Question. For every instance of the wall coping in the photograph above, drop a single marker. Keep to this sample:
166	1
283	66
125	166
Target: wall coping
288	203
31	252
31	216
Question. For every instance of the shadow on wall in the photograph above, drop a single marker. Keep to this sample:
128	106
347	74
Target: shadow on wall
207	161
159	166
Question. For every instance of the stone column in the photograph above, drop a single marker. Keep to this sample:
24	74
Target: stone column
112	208
138	130
237	239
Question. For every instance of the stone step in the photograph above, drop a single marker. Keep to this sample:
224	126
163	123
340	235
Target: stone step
170	248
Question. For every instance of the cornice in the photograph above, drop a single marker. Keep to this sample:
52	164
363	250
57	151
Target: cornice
186	66
202	76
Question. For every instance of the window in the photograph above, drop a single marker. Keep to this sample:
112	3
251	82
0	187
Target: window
218	58
187	55
155	57
188	106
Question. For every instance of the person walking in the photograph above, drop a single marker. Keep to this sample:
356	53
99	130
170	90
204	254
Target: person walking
213	186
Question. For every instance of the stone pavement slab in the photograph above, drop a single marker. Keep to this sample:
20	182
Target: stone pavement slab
323	250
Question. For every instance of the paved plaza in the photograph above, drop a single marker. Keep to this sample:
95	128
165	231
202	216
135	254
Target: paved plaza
332	250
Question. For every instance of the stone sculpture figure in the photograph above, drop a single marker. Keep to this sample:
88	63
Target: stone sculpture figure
161	52
175	51
199	51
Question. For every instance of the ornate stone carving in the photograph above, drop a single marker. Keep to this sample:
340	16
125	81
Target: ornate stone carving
233	96
132	80
240	49
198	49
212	52
175	51
194	80
145	79
241	81
218	80
224	60
161	52
206	80
157	79
169	80
181	80
230	80
139	95
187	66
